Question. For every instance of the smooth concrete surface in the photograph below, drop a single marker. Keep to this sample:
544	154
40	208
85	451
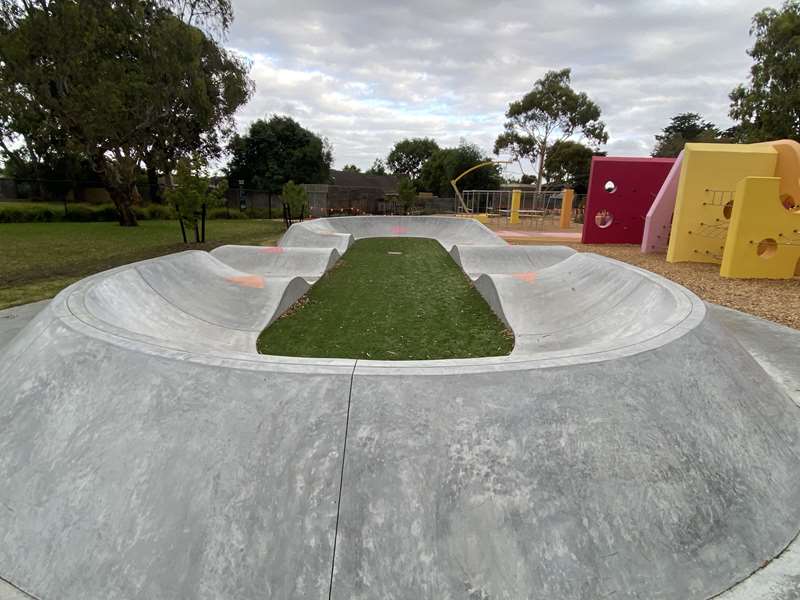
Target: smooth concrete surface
634	444
508	260
13	320
275	261
775	347
652	477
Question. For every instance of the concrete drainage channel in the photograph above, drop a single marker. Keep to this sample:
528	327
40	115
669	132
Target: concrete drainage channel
634	444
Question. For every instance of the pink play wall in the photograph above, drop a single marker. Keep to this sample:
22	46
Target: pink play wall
658	221
637	181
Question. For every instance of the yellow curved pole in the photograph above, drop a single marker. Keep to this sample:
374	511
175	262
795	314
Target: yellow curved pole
453	182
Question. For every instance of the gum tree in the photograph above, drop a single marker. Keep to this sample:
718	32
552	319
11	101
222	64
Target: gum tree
275	151
118	81
408	156
683	128
551	112
768	106
570	163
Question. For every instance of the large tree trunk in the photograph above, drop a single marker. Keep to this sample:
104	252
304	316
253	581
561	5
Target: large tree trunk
540	171
154	191
124	197
119	177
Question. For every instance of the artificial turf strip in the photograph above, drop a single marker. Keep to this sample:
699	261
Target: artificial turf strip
390	299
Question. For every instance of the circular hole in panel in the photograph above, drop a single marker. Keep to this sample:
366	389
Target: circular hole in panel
727	209
767	248
790	203
603	219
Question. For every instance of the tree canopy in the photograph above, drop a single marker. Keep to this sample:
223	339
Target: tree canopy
378	168
215	16
117	82
683	128
351	168
570	162
552	111
768	106
276	151
408	156
448	163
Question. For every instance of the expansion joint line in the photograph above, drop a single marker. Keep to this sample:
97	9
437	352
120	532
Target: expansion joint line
7	583
341	479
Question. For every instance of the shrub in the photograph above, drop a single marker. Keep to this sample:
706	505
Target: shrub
194	193
104	212
296	199
257	213
11	215
162	212
80	213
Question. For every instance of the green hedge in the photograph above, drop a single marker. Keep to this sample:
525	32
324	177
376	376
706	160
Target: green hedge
33	212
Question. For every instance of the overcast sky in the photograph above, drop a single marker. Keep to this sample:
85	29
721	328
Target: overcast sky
366	73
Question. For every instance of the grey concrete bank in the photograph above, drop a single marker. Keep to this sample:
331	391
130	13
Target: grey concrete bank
629	447
13	320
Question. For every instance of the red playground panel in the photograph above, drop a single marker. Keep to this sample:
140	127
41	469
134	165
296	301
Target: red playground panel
621	191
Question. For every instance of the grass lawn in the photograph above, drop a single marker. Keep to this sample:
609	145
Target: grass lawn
40	259
390	299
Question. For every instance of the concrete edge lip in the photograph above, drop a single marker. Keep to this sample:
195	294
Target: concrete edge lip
690	308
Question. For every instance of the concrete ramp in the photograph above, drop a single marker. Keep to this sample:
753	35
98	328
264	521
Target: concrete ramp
584	303
508	260
448	231
628	448
277	261
186	301
316	234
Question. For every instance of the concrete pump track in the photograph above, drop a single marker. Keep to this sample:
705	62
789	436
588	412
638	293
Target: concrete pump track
635	444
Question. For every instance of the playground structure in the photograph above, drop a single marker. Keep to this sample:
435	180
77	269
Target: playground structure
461	206
141	427
705	197
658	222
512	206
735	205
621	191
536	210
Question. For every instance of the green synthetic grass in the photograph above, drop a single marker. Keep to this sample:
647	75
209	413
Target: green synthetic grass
377	305
37	260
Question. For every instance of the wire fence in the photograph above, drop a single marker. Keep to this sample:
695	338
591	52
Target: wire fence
537	209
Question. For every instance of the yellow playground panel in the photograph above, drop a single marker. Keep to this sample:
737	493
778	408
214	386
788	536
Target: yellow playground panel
788	169
764	235
705	198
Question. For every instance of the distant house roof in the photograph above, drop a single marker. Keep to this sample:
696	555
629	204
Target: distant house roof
351	179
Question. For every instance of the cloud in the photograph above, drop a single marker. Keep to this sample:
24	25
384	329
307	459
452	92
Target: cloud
366	74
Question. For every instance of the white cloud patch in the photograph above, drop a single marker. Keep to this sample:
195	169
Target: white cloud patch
366	74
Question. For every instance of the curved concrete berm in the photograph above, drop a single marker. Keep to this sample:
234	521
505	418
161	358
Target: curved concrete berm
629	447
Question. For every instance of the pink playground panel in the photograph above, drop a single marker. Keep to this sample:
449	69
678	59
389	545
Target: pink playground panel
658	222
621	191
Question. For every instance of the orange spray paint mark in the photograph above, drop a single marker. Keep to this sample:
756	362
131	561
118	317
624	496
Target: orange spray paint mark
272	250
399	230
527	277
251	281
